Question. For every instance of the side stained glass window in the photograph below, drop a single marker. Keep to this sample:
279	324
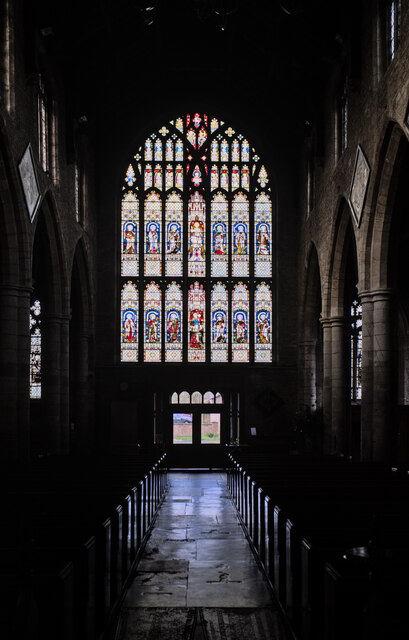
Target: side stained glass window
262	323
219	312
197	245
152	321
356	351
240	323
129	323
35	350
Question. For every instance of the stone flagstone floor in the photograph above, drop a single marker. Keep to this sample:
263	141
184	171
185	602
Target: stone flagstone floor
197	578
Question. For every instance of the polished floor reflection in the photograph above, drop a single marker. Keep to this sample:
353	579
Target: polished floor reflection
198	578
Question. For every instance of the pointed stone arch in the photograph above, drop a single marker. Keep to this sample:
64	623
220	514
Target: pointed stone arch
311	335
49	416
81	341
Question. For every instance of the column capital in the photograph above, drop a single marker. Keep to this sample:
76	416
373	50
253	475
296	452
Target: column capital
333	321
376	295
15	289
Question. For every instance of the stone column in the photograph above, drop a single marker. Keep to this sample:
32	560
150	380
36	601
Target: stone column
308	350
55	391
367	375
335	388
384	396
14	372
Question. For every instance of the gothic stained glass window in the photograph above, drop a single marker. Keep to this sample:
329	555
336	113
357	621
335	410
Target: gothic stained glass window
240	323
153	240
196	351
152	323
173	320
196	205
262	323
219	236
129	323
35	350
219	315
174	233
240	233
129	248
356	351
262	236
197	237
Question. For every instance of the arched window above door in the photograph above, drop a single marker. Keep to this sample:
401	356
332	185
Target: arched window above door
196	248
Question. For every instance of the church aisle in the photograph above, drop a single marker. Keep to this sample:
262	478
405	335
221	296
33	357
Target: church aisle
198	579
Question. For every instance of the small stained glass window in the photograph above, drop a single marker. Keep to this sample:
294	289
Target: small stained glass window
356	351
35	350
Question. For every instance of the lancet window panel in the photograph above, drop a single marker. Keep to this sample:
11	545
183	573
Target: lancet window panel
197	236
153	235
262	323
262	236
129	246
129	323
240	323
152	323
219	318
197	323
240	236
173	320
219	236
174	235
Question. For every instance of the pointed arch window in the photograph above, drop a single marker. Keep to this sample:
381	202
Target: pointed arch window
356	351
35	350
197	246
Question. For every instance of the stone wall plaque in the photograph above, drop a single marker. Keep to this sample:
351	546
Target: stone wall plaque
29	182
359	185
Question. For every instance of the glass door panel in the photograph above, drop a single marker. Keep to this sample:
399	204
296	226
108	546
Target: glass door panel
210	428
182	428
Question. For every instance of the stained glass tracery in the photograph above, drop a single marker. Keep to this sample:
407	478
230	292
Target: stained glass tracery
166	216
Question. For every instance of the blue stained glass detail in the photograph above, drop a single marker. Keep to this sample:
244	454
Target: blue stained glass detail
153	237
219	236
173	237
263	326
240	329
152	325
263	238
129	326
219	326
240	236
173	326
129	238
